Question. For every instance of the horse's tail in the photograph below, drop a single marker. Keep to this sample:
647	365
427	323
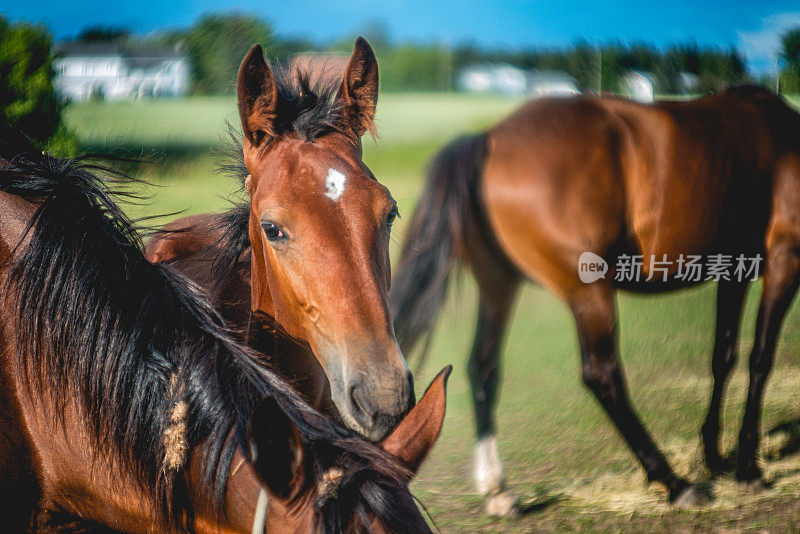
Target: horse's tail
433	239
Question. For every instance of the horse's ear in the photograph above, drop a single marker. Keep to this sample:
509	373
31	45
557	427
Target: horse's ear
419	430
359	91
257	94
276	450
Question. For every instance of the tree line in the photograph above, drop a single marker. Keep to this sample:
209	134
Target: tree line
790	61
216	43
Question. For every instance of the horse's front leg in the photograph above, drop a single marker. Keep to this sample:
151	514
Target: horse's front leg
593	306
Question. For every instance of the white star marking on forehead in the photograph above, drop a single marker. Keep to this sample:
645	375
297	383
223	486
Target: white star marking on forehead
334	184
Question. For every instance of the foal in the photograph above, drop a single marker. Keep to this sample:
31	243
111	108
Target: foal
125	399
308	253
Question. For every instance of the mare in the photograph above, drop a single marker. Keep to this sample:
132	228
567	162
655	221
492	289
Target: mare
125	399
714	178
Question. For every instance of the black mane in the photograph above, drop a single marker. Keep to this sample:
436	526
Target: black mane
232	224
307	103
130	341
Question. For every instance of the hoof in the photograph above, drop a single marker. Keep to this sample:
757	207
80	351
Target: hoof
503	504
753	486
751	479
690	497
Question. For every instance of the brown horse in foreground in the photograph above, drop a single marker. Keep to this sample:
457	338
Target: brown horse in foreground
125	400
309	252
619	180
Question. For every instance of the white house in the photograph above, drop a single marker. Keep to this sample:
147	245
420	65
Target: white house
552	83
112	72
639	86
493	78
509	80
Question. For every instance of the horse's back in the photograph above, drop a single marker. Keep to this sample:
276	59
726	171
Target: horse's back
696	174
565	176
551	186
191	246
183	237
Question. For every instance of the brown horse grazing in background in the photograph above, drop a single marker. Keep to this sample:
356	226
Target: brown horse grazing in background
126	400
562	177
309	252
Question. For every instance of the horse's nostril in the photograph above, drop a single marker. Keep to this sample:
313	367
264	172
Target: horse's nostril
376	411
358	405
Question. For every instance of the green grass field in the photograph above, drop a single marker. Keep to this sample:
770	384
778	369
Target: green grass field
559	450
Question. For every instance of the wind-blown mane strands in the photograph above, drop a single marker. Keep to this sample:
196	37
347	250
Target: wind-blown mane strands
307	103
100	324
233	223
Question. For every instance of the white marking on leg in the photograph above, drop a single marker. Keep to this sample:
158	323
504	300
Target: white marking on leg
488	467
334	184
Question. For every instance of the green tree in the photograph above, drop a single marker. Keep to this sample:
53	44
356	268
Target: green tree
790	56
641	57
790	47
667	72
28	101
583	62
416	68
102	34
216	46
612	69
284	49
720	68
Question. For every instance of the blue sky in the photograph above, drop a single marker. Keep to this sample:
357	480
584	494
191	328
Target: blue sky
754	26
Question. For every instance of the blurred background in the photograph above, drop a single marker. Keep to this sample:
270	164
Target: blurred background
157	79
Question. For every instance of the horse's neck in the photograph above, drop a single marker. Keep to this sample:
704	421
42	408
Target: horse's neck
75	483
15	213
293	359
19	467
241	495
241	499
192	251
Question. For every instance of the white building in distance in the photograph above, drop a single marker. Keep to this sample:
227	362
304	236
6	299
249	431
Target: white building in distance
552	83
110	71
493	78
509	80
639	86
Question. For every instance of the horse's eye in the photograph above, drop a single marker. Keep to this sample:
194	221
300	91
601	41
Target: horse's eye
391	217
273	231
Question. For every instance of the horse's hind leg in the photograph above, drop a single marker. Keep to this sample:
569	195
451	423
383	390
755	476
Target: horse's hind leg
780	285
730	296
781	278
593	306
498	285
